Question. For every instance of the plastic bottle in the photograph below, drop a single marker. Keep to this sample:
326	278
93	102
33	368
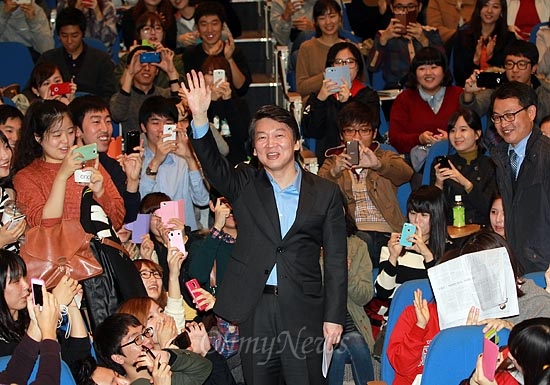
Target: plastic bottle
459	213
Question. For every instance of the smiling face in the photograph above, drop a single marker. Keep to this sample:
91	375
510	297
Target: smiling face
44	90
496	216
179	4
463	138
146	76
132	351
429	77
491	12
514	132
5	159
152	32
274	145
152	284
210	29
97	128
11	128
57	140
329	22
15	294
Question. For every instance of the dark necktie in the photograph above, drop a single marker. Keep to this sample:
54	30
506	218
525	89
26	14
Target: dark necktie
514	162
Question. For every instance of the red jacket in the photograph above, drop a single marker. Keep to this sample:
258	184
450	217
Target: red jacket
409	344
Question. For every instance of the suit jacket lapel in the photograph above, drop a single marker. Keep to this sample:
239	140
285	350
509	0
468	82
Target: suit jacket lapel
264	207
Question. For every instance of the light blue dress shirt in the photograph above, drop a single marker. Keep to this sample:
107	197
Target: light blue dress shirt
175	180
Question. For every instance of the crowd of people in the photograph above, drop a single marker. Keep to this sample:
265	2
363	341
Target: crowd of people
224	260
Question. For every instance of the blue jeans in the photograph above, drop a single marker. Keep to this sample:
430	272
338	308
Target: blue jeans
352	350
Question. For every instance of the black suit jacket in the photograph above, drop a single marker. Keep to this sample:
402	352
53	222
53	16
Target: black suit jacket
306	298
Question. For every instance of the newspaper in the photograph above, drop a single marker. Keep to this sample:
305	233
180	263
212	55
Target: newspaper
484	279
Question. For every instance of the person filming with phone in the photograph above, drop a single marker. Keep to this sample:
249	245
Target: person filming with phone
395	47
369	184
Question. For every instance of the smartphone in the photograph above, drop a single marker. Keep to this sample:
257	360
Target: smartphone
88	151
191	285
131	140
218	75
169	129
36	287
60	88
408	230
175	239
336	74
442	161
15	220
489	358
352	149
149	57
489	79
82	176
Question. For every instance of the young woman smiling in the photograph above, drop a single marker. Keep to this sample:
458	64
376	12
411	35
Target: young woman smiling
471	173
480	43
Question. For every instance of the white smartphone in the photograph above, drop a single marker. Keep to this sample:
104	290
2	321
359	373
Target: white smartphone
218	75
36	287
15	220
175	239
82	176
169	129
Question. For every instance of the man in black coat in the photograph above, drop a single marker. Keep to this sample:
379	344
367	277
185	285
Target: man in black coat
285	301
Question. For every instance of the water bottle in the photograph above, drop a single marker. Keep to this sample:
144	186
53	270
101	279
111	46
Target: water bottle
459	213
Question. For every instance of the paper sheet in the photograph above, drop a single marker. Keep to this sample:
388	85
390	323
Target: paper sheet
484	279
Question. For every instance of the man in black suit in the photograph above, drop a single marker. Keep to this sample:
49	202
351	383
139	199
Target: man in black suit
273	287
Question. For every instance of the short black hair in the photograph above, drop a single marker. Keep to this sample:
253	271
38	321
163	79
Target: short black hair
80	106
320	8
209	8
333	51
429	56
70	16
521	91
523	48
278	114
7	112
356	112
158	105
108	336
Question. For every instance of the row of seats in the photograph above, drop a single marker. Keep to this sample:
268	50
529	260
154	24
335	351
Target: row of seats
452	354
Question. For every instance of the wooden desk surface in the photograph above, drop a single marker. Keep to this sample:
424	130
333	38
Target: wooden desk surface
464	231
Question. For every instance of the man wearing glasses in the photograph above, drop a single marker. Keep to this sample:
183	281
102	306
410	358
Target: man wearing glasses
520	64
522	161
370	186
123	344
395	47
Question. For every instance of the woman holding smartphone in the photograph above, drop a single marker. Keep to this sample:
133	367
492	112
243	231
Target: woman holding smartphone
319	120
42	86
45	166
13	225
398	263
468	173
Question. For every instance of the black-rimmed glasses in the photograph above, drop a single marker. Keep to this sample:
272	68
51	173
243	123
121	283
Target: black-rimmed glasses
147	333
507	117
146	274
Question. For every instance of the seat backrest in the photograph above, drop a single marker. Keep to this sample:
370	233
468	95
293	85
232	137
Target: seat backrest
403	297
533	35
453	353
405	189
437	149
538	277
66	377
16	64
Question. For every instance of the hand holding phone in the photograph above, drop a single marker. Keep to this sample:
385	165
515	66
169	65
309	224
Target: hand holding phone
218	75
191	286
60	88
88	152
336	74
15	220
442	161
352	149
37	295
489	359
131	140
407	230
83	176
175	239
169	129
